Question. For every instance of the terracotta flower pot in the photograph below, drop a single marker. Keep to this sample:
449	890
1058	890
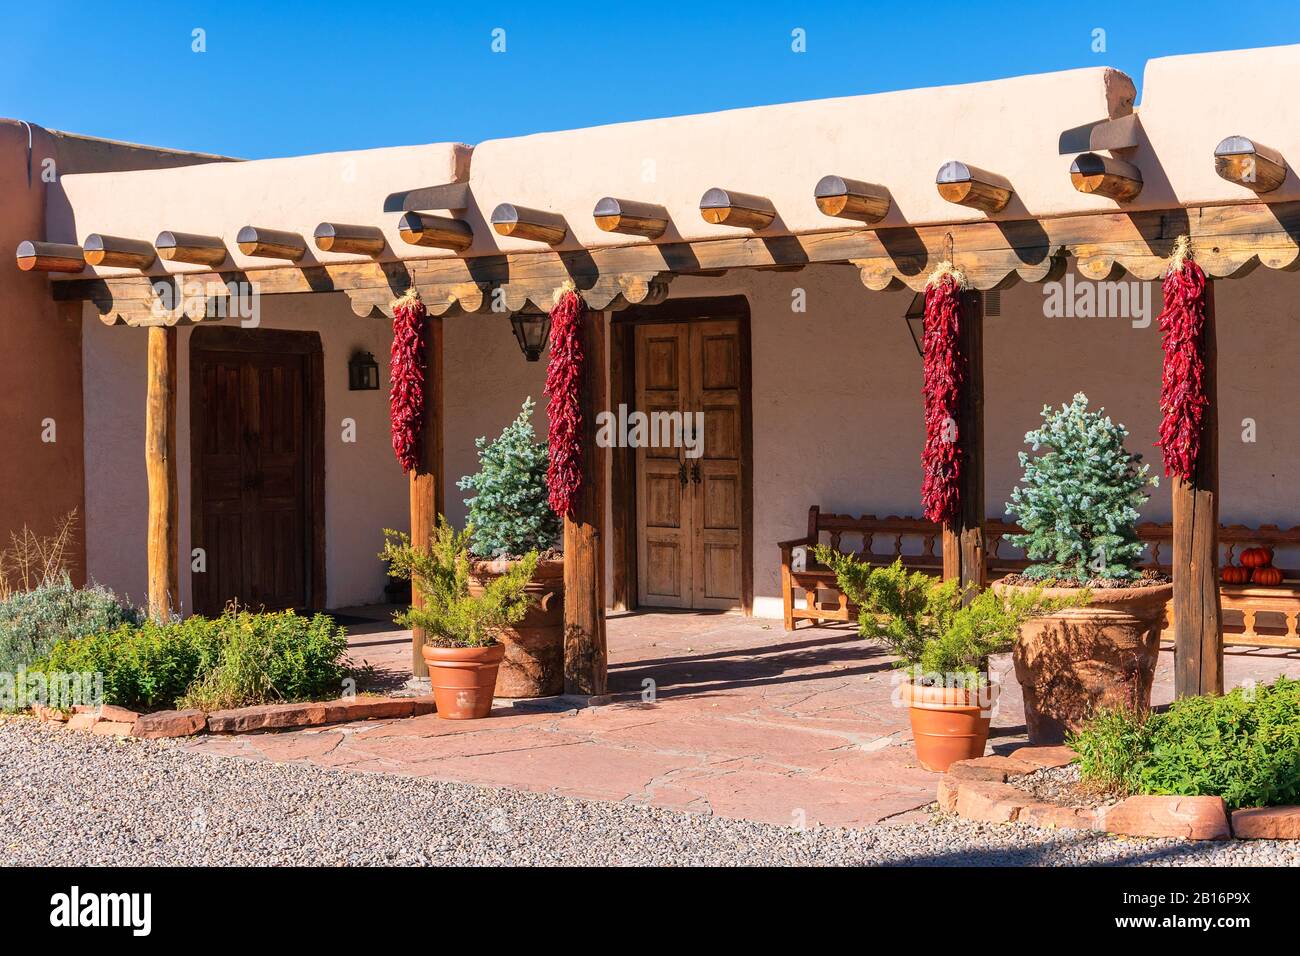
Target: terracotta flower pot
1100	655
948	723
463	679
534	648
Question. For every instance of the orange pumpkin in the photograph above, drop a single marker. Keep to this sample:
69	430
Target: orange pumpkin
1234	574
1257	557
1267	576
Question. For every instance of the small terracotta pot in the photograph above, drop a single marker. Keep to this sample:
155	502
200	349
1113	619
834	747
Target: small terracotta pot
463	679
948	723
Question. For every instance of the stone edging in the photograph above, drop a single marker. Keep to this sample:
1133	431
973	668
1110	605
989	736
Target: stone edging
108	720
977	790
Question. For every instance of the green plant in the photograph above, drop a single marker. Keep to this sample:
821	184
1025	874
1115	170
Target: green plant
1243	746
270	657
32	621
510	514
449	614
924	622
234	660
1079	498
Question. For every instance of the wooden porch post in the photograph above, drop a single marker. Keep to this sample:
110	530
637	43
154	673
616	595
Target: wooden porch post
426	480
963	545
585	657
160	470
1198	618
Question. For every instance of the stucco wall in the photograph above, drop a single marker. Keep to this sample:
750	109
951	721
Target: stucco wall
836	401
365	490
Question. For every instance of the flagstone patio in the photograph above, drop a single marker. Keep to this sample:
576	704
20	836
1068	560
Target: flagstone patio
712	713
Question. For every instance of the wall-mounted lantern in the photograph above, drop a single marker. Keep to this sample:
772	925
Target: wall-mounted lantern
363	372
532	327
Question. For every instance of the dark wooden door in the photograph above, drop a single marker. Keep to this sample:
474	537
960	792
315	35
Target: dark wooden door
252	478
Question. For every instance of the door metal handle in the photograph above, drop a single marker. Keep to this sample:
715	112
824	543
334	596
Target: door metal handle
695	472
681	473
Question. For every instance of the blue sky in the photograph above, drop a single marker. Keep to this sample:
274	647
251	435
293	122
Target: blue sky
282	78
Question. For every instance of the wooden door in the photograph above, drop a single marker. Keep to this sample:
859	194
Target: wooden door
664	533
716	476
252	478
690	504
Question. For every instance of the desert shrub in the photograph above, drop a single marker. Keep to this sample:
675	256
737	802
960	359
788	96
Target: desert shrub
272	657
511	515
1079	498
450	615
923	620
144	668
32	621
1243	746
234	660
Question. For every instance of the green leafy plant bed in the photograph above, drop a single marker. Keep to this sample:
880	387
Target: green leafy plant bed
32	622
1243	747
235	660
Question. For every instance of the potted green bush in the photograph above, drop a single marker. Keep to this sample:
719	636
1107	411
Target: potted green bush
943	645
462	629
509	517
1078	503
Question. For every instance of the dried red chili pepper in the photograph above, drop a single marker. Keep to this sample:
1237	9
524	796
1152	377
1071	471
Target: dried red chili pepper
1182	382
564	475
945	375
407	368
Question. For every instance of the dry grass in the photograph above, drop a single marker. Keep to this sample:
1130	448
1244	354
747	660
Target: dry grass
33	560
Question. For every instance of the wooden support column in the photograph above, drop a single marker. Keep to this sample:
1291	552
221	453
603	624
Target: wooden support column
426	480
963	544
585	656
160	470
1198	616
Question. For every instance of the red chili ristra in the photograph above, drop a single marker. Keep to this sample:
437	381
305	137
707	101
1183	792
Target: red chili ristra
945	375
563	379
1182	383
406	400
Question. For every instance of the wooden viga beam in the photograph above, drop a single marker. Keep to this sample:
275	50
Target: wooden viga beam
189	247
966	185
356	240
270	243
726	207
1250	164
115	251
1106	176
534	225
630	217
851	199
49	257
437	232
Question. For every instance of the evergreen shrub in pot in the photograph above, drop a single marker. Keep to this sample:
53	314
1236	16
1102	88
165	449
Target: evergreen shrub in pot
943	644
463	626
1078	502
509	517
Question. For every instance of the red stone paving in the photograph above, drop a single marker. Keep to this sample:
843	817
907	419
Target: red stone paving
738	719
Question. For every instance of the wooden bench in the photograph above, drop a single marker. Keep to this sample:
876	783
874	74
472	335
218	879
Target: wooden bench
1253	615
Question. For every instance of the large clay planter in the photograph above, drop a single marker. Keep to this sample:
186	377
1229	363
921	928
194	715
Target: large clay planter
463	678
948	723
534	648
1100	655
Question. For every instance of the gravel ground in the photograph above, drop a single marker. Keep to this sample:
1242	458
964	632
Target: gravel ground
73	799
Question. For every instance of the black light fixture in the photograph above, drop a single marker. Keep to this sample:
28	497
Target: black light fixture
916	313
363	372
532	328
